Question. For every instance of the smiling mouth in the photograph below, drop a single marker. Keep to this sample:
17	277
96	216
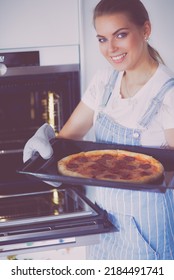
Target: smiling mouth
118	58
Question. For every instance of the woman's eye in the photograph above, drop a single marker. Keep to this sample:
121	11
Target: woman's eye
102	40
121	35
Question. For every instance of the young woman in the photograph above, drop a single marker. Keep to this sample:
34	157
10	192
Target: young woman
129	103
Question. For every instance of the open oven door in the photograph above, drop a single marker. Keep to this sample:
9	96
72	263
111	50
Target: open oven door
52	219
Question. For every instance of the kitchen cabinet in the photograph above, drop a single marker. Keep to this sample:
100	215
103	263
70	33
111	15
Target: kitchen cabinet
38	23
50	26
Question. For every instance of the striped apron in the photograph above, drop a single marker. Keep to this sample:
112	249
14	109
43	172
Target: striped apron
145	219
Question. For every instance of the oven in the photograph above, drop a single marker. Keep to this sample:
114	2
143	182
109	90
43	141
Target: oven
35	216
31	95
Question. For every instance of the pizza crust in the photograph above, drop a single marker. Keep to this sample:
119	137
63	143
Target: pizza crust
112	165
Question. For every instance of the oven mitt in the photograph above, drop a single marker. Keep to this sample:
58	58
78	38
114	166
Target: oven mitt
39	142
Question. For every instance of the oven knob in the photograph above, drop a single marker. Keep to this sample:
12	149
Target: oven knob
3	69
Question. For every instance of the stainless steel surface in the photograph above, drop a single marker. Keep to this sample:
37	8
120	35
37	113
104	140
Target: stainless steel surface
47	245
13	151
35	70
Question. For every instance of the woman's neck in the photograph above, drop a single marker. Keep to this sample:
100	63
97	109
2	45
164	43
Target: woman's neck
133	81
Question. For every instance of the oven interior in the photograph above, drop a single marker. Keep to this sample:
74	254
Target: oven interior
28	101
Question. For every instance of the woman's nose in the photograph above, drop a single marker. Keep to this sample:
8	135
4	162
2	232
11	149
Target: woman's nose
112	46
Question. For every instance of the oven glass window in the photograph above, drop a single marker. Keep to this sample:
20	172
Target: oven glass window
48	205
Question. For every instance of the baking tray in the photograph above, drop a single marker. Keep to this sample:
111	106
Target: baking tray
46	170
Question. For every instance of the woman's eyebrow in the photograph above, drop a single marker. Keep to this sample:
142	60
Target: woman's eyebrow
119	30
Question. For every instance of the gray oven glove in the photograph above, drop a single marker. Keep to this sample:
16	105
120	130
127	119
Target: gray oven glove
39	142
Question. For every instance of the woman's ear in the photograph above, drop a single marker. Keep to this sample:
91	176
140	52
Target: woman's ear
147	30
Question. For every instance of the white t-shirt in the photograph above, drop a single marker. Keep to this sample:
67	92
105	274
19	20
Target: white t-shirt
129	111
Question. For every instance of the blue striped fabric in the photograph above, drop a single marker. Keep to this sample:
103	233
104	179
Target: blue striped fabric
145	219
155	104
109	131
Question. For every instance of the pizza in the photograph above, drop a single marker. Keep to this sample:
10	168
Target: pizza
112	165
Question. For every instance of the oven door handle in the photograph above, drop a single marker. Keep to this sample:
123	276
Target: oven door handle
13	151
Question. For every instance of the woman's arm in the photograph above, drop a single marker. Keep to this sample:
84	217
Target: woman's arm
169	135
78	124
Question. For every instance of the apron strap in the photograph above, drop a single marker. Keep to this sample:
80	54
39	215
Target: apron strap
109	88
155	104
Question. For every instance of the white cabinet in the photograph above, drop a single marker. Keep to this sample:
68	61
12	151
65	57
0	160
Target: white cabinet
50	26
38	23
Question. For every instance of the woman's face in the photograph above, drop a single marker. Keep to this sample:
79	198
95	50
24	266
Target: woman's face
121	42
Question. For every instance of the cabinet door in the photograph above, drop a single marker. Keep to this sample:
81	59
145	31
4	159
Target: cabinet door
37	23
